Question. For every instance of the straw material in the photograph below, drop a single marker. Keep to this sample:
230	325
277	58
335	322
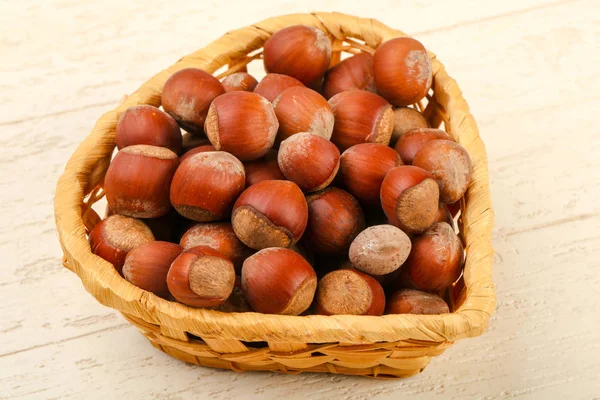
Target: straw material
386	346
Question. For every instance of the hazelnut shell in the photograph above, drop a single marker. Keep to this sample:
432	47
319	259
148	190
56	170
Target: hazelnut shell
349	292
278	281
270	214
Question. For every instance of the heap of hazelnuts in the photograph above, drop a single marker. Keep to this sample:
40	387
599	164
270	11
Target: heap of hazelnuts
314	190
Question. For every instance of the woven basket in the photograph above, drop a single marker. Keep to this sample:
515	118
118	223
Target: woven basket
386	346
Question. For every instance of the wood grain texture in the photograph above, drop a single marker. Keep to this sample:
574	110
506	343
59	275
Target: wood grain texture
527	69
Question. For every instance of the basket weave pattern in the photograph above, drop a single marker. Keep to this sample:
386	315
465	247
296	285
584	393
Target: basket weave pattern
386	346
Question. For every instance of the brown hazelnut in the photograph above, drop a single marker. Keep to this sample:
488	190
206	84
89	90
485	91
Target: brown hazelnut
403	71
148	125
300	109
298	51
131	190
206	185
334	220
200	149
406	119
309	161
410	198
278	281
147	266
191	141
236	301
362	169
379	250
435	261
201	277
240	81
450	165
361	117
243	124
116	236
443	215
272	85
409	301
270	214
263	169
348	291
218	236
354	73
412	141
187	95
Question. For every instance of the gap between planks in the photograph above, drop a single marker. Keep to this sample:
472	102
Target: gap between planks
418	33
494	17
110	328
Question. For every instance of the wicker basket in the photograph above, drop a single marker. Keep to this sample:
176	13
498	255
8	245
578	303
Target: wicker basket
387	346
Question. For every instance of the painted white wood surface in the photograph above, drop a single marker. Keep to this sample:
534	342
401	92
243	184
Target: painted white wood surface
529	70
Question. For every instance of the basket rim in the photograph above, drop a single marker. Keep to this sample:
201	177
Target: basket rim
88	164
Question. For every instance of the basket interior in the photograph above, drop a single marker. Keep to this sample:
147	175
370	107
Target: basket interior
186	332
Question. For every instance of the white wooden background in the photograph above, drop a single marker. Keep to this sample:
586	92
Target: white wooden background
529	69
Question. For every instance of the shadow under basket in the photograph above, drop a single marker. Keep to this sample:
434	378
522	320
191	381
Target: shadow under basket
385	347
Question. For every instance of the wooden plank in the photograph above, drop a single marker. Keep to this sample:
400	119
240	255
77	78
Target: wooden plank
114	46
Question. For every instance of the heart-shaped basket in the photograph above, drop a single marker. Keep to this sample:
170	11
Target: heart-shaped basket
386	346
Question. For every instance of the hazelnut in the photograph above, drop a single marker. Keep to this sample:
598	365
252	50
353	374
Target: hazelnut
187	95
298	51
309	161
240	81
272	85
410	198
131	190
348	291
243	124
409	301
334	220
191	141
263	169
361	117
201	277
200	149
236	301
206	185
114	237
379	250
278	281
435	261
300	109
147	266
412	141
218	236
406	119
450	165
354	73
270	214
362	169
403	72
444	215
148	125
384	280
